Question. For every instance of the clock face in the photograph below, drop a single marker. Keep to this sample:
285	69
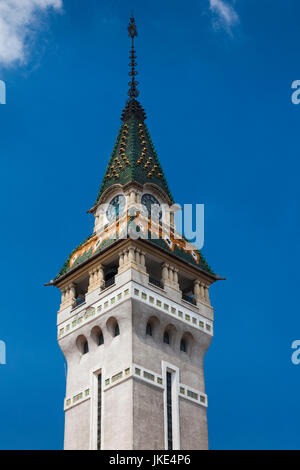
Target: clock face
116	208
152	205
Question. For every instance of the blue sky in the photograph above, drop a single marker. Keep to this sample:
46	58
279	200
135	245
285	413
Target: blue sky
216	86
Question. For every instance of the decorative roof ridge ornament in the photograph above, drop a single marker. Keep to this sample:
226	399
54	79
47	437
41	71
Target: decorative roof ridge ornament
133	106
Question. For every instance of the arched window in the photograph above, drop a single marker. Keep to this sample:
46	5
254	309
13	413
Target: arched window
113	327
166	337
183	345
82	344
149	329
116	330
97	335
85	347
100	338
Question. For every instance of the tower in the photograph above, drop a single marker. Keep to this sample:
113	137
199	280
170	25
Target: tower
135	319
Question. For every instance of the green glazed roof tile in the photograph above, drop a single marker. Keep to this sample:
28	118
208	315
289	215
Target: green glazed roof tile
134	157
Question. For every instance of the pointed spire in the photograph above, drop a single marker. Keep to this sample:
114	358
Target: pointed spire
133	107
134	158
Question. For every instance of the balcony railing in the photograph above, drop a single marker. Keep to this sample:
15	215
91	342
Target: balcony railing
79	301
110	282
189	299
155	282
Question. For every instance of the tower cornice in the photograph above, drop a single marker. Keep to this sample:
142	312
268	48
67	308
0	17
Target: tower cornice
118	245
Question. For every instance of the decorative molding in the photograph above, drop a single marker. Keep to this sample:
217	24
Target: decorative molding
172	308
136	291
77	398
95	310
117	378
146	375
193	395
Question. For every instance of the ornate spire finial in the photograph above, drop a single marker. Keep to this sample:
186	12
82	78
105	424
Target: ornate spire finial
132	31
133	107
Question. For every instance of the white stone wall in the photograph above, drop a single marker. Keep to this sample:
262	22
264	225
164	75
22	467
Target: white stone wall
133	407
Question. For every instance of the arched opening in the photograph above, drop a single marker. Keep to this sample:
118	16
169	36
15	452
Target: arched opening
100	339
113	327
81	287
97	335
169	334
109	275
152	328
85	347
82	344
166	337
149	329
116	330
186	343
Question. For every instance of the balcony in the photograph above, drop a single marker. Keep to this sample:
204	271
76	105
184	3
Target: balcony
109	282
155	282
79	301
189	299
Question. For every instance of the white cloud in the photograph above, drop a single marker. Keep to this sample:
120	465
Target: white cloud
225	14
19	19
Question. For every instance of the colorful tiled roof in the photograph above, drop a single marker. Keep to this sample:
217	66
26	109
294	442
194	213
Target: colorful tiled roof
134	158
96	243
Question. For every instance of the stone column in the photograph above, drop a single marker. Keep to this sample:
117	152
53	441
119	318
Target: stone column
132	257
121	259
100	276
137	256
96	280
68	297
143	261
126	259
202	290
206	294
165	273
170	276
72	298
197	291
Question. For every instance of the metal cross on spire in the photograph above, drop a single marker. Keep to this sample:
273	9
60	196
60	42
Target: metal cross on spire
132	31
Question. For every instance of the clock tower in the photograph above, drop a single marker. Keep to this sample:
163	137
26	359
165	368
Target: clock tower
135	318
